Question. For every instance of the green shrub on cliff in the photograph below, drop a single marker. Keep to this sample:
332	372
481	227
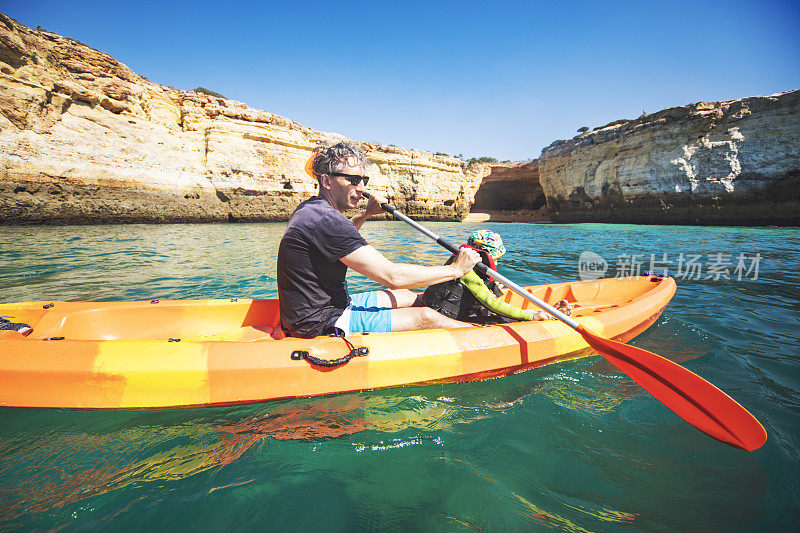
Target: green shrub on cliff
484	159
209	92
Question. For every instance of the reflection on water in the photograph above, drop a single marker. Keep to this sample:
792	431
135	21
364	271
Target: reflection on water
600	396
158	451
537	515
573	446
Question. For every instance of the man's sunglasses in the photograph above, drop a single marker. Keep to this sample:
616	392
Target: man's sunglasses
353	179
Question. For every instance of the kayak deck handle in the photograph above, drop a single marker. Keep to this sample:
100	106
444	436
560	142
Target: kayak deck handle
359	351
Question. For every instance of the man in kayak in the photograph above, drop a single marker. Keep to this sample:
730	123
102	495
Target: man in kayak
319	245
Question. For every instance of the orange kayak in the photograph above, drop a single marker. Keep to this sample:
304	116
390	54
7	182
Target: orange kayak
182	353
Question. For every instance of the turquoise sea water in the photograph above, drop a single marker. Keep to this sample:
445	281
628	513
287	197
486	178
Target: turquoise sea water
574	446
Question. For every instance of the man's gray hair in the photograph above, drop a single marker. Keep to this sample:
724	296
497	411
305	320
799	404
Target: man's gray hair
331	159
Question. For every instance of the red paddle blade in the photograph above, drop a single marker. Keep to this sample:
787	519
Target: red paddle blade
691	397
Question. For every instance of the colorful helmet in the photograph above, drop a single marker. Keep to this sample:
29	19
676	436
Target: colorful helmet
488	241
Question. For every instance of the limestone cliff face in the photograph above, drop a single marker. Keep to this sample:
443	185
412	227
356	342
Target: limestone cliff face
734	162
85	139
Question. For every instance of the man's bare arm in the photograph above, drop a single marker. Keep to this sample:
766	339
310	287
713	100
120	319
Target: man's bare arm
371	263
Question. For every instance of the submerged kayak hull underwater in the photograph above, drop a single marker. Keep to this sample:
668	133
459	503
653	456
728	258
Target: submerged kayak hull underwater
184	353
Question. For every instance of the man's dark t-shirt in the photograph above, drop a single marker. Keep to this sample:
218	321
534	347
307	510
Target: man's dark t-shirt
311	280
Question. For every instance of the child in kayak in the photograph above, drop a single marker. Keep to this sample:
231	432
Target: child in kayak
474	297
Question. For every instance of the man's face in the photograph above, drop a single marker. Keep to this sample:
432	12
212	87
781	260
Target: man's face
344	194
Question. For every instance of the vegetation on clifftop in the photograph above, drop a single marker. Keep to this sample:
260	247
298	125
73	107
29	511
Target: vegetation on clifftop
209	92
484	159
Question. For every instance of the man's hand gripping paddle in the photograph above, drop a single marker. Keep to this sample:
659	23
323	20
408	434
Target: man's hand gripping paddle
691	397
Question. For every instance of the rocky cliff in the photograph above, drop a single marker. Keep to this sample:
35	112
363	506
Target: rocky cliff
734	162
83	139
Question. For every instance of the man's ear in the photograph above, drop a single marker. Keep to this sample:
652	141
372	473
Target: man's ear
324	182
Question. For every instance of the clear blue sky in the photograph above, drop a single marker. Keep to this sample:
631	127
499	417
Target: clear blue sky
502	79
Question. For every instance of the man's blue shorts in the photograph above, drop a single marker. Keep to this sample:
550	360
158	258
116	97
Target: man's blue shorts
363	315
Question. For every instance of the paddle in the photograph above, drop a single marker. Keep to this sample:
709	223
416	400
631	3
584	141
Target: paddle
691	397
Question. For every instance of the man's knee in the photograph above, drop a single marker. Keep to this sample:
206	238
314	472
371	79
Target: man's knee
414	318
431	318
397	298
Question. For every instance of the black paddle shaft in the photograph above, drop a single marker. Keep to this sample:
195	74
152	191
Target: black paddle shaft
480	266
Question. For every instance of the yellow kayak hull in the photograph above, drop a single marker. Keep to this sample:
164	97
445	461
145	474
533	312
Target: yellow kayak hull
183	353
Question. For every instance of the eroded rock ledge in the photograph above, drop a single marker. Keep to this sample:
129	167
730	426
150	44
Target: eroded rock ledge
83	139
719	163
